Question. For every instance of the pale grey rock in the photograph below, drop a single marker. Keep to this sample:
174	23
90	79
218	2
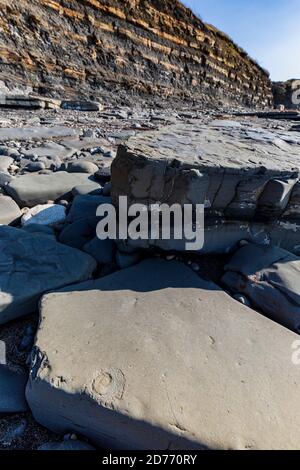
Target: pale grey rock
9	210
163	360
51	150
85	189
82	167
35	133
31	265
270	277
33	189
5	163
12	390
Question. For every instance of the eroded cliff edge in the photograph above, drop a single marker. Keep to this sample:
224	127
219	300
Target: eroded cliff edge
68	47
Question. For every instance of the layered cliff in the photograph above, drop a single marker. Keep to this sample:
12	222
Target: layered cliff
157	47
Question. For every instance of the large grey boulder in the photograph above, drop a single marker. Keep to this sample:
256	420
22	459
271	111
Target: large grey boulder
31	265
270	277
225	167
32	189
153	357
9	210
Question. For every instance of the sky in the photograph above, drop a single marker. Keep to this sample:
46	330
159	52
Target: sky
269	30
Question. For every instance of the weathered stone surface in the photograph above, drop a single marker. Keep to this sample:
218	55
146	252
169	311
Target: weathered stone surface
31	265
35	133
270	277
33	189
241	173
12	390
163	360
208	164
9	210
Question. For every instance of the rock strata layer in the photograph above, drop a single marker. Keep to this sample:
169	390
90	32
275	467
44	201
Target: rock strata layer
147	47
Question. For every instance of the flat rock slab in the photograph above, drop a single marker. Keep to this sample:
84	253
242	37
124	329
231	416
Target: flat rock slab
36	133
32	264
9	210
32	189
153	357
28	102
225	165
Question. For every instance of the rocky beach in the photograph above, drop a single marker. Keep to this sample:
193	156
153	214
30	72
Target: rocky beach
140	343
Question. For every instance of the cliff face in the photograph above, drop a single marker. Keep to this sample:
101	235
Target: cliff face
84	46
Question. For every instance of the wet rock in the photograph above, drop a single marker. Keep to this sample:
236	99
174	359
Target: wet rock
86	206
79	232
270	277
157	350
39	230
31	265
125	260
27	341
12	390
45	214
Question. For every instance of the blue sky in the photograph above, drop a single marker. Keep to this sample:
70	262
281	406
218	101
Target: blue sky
269	30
